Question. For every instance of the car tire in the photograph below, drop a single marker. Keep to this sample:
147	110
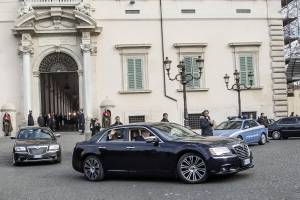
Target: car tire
276	135
191	168
263	139
58	159
92	168
14	162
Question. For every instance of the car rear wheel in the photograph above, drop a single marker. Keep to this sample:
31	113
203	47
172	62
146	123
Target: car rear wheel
14	162
276	135
191	168
263	139
92	169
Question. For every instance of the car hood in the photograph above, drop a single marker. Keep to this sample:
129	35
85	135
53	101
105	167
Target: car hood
34	142
209	140
225	133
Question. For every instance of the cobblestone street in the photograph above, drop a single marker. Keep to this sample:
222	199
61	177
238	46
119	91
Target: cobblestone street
276	175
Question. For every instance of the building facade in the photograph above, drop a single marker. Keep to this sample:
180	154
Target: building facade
62	55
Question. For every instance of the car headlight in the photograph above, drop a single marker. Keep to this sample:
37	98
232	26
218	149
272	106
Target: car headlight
218	151
20	148
54	147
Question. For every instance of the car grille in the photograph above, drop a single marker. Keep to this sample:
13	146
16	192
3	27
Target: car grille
37	150
242	150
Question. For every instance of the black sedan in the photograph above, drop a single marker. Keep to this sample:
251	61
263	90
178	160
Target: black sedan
159	149
285	128
36	144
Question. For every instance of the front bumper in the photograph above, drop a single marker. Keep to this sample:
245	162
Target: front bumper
228	164
26	157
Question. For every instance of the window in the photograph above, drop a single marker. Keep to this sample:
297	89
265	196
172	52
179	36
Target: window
115	135
192	68
188	11
252	124
249	115
132	11
247	66
288	121
139	134
135	73
136	119
246	125
194	121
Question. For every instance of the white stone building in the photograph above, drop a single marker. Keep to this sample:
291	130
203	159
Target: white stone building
62	55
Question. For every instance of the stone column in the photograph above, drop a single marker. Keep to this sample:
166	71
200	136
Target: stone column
87	50
26	50
80	80
37	94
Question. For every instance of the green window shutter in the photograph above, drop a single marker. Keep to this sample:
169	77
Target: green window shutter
139	74
196	82
243	70
250	68
130	74
189	69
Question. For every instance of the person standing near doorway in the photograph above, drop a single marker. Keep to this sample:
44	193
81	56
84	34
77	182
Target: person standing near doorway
81	121
165	118
117	122
30	121
7	126
41	121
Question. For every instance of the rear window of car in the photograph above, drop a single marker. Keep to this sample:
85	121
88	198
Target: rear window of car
288	121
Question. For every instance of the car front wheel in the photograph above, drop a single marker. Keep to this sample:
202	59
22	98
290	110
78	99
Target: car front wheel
92	169
191	168
276	135
263	139
14	162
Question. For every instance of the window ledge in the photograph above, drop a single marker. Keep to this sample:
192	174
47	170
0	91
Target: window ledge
256	88
135	92
194	90
237	44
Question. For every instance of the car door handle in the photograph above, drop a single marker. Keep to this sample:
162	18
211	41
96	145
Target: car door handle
130	147
101	147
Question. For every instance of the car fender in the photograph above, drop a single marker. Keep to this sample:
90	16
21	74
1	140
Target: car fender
194	148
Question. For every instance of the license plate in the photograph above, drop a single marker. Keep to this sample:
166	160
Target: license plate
246	161
37	156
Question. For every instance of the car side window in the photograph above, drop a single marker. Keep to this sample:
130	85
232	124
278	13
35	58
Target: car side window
246	125
139	134
288	121
116	135
252	124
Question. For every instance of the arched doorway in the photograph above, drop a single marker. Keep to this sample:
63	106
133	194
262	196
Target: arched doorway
60	88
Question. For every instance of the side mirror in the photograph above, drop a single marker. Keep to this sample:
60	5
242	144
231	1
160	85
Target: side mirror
13	137
246	127
57	135
152	139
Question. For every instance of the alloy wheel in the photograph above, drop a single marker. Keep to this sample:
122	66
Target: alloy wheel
263	139
92	169
276	135
193	168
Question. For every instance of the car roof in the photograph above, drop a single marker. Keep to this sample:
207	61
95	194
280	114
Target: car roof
33	127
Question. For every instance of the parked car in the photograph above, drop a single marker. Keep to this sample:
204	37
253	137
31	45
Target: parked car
34	144
285	128
159	149
247	130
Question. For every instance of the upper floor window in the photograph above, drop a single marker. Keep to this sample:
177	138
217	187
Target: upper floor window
135	72
134	67
191	67
247	65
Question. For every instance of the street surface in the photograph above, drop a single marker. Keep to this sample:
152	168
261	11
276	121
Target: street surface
276	175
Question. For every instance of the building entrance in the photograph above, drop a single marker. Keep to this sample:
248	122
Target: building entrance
59	91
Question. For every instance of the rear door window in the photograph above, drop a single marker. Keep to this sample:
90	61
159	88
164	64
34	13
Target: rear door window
252	123
288	121
115	135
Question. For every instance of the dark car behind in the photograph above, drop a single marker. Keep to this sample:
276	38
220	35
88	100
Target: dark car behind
34	144
285	128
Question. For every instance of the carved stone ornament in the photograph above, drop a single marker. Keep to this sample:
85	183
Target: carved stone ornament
89	48
26	45
25	49
25	9
58	62
84	8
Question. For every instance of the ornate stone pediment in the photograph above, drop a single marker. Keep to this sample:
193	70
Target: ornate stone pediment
56	20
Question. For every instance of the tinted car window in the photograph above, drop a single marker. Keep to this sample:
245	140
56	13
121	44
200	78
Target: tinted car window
139	134
115	135
229	125
246	124
252	123
174	131
288	121
35	134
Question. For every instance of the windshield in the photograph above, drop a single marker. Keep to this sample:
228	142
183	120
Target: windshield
229	125
174	131
35	134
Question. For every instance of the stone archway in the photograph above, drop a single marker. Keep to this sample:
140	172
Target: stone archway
59	84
